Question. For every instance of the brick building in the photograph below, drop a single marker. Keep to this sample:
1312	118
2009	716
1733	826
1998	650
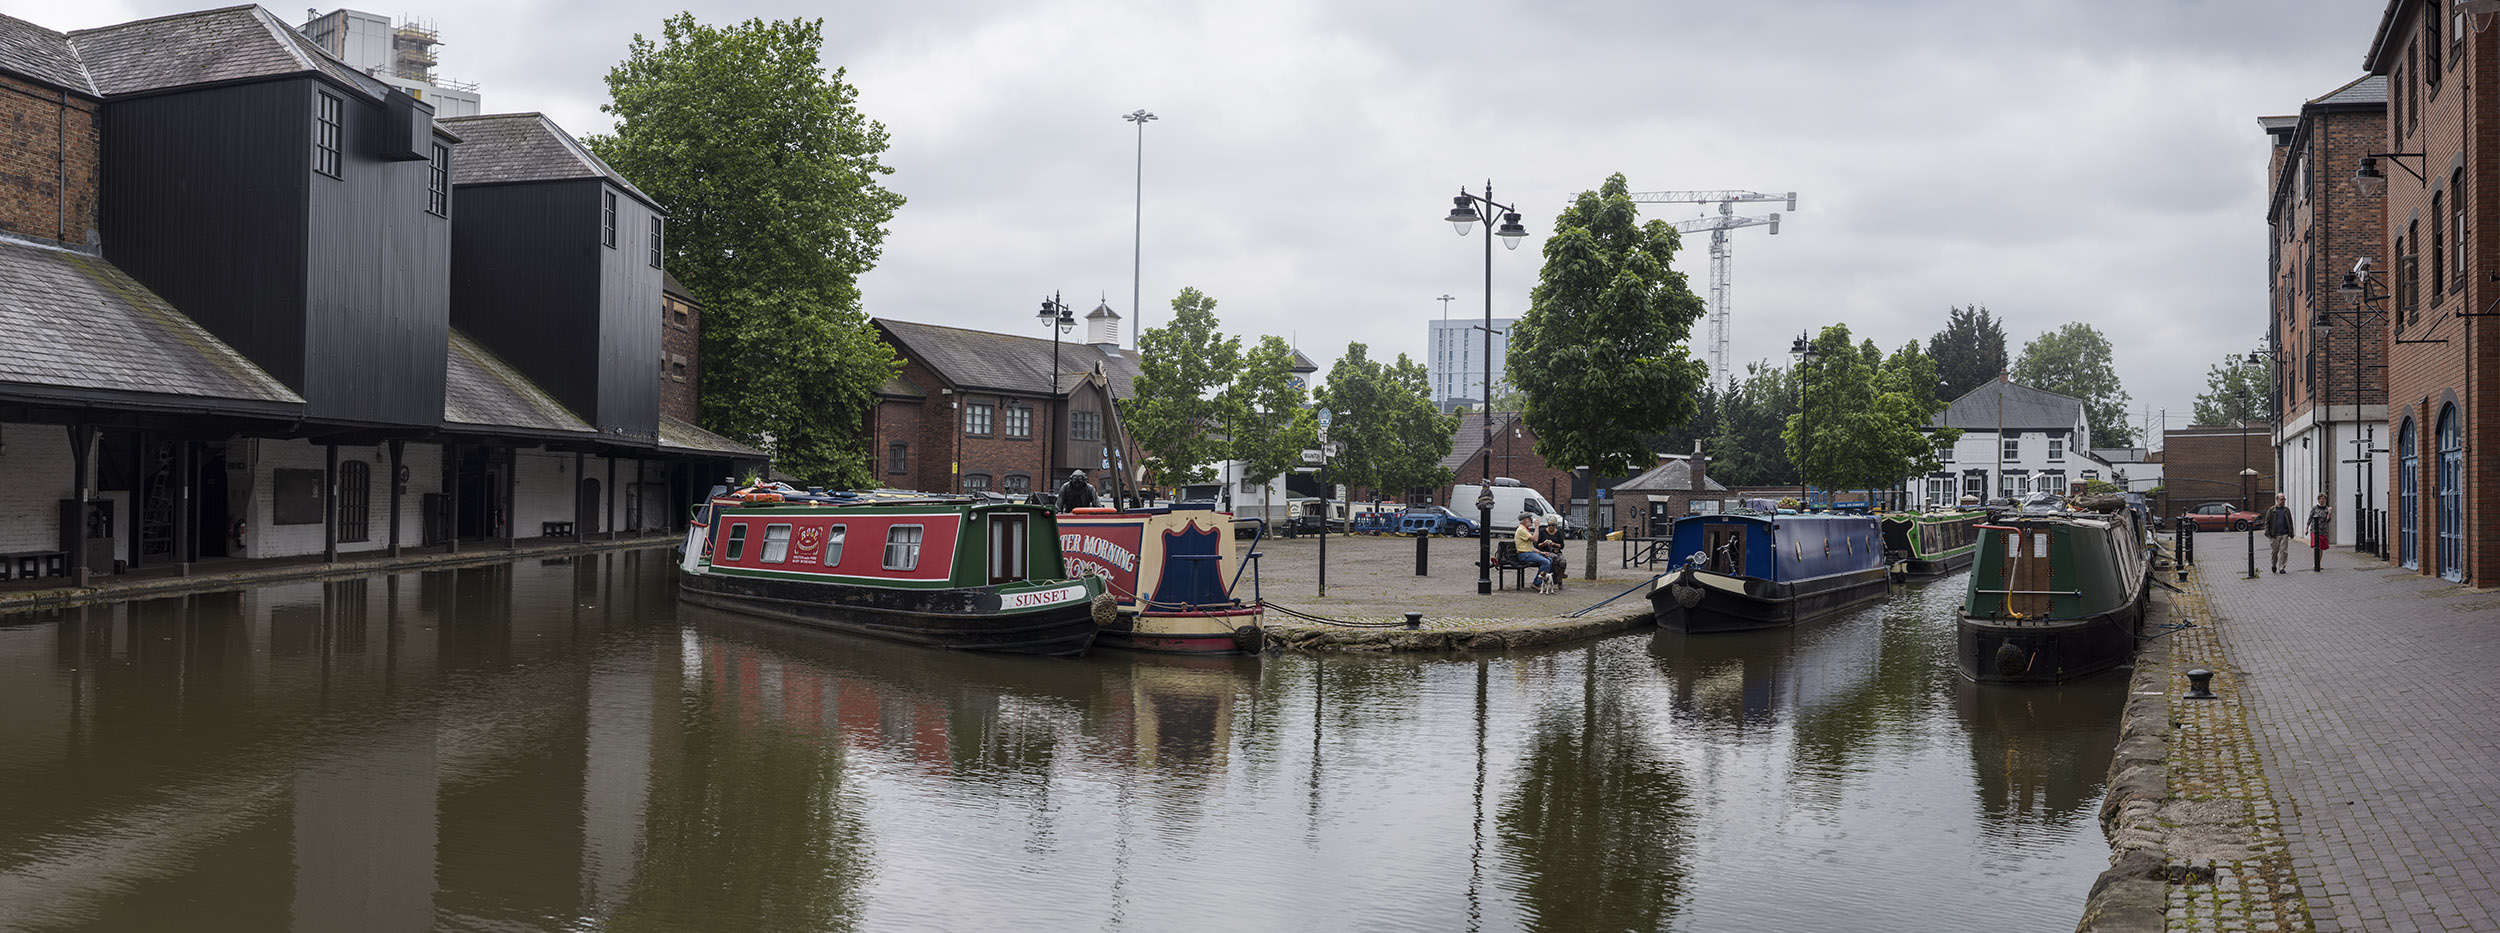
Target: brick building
1667	492
2203	464
2328	379
975	411
52	136
2443	107
1512	454
681	332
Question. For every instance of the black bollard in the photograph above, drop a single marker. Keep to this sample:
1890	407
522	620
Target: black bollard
1414	620
2251	532
2200	685
1423	554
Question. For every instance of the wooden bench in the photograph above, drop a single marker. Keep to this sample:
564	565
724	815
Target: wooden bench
1506	558
555	529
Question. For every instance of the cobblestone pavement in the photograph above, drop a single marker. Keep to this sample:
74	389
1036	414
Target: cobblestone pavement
1373	577
2231	865
2376	706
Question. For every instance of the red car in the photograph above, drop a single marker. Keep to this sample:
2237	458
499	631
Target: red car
2220	516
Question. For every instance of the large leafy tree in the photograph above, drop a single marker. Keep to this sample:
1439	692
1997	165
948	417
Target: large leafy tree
1906	401
1599	358
1829	438
1747	447
2075	361
1272	423
771	180
1181	397
2235	391
1970	350
1388	435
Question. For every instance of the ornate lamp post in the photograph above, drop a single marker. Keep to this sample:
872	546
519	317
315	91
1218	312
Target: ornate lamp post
1060	318
1464	217
1806	355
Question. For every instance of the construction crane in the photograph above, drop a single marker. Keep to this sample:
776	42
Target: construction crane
1718	227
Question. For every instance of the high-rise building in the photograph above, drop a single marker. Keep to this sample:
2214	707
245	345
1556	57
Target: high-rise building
400	54
1456	360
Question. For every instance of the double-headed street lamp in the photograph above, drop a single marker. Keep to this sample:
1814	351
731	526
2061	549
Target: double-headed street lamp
1060	318
1464	216
1805	354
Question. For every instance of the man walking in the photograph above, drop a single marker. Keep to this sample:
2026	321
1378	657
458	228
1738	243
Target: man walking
2321	526
2279	533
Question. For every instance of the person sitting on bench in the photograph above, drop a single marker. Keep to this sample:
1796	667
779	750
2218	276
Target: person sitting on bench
1524	539
1549	541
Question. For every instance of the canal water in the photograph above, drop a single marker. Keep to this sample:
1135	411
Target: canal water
559	745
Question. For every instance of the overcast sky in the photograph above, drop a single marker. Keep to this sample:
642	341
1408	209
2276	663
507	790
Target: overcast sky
2054	161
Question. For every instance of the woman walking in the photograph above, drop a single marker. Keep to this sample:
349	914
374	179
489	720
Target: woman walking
2321	530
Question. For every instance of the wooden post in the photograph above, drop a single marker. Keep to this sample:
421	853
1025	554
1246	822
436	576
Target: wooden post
185	550
330	503
579	514
398	447
75	535
611	506
511	496
451	490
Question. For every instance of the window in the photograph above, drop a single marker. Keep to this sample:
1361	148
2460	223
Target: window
1944	451
2456	230
1939	490
326	120
607	218
833	544
677	368
977	418
2053	482
438	183
1085	425
2013	448
1019	421
2057	448
2439	245
1017	484
897	457
776	543
976	482
355	494
2430	50
1975	485
655	242
1010	548
737	540
902	547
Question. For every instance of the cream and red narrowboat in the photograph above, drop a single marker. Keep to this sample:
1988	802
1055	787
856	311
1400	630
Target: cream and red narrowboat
1172	570
943	571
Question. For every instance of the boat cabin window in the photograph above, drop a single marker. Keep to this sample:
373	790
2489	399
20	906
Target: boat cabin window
1009	548
1725	545
737	540
833	544
902	547
776	543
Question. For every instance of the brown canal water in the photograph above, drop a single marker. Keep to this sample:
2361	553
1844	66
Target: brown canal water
560	746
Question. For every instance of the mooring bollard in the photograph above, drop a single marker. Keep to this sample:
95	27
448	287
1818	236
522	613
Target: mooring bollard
1423	553
2200	683
1414	620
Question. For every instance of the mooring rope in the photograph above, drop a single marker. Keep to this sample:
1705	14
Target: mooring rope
1593	607
1347	623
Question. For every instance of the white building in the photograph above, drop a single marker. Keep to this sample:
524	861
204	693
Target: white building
400	54
1456	360
2015	440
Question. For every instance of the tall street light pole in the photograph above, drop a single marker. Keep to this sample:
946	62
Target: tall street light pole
2356	285
1057	316
1137	245
1464	216
1804	353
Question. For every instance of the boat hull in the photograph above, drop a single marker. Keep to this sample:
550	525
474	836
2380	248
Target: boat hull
1217	632
2050	651
968	619
1699	603
2053	597
1917	570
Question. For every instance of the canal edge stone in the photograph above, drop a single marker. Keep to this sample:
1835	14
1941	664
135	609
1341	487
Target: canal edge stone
2128	898
1474	635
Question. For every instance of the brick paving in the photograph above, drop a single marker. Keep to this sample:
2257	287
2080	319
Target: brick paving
1371	580
2375	700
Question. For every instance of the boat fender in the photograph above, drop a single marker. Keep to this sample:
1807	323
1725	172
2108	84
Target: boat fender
1249	639
2010	659
1106	609
1685	594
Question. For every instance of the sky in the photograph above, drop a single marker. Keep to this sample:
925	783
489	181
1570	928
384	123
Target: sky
2052	161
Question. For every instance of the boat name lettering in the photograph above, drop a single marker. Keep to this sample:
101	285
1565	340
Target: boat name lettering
1086	545
1042	597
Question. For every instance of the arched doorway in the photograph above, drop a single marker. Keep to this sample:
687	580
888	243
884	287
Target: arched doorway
2408	497
2451	495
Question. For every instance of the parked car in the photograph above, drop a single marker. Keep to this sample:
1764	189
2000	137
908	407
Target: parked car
2220	516
1433	519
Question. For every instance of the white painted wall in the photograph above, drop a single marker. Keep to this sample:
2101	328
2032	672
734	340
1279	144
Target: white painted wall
1980	450
35	460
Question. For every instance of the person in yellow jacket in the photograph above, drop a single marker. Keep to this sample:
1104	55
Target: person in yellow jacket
1523	539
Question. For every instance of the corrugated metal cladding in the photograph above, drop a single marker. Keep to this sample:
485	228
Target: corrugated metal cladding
533	282
336	286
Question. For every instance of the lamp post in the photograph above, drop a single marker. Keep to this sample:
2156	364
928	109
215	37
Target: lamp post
2248	487
1464	217
1137	245
1060	318
2356	286
1804	353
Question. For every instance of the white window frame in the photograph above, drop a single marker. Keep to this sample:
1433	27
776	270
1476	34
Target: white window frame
776	543
2011	446
2057	450
833	544
902	546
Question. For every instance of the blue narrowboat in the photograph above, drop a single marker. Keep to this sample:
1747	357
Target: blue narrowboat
1754	570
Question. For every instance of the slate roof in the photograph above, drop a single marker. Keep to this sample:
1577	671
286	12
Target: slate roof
979	359
1303	364
203	47
74	321
1469	439
2367	89
668	285
482	390
2022	407
498	148
901	386
43	55
676	434
1675	475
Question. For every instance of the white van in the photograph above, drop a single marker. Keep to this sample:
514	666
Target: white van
1509	499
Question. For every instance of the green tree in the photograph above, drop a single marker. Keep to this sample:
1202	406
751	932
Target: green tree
1388	435
1747	448
771	180
1970	350
1184	370
1599	357
1831	435
1905	402
2075	361
2235	391
1273	424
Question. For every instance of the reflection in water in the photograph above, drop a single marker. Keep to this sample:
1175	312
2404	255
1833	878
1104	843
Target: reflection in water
552	745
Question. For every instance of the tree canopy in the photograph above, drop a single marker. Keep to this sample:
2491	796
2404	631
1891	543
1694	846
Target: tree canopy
1272	424
1747	448
1183	371
2235	391
1863	411
2075	361
771	179
1969	351
1388	435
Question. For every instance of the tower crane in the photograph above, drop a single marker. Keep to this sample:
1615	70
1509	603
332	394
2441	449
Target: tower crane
1718	227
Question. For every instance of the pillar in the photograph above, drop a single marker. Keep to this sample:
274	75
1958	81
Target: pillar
611	505
398	447
330	503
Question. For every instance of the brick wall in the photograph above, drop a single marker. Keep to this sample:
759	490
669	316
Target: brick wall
2203	465
681	327
936	443
44	132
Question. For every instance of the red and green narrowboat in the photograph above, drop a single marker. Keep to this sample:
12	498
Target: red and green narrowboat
943	571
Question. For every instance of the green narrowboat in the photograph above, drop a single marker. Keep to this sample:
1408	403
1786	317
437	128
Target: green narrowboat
2054	596
1926	545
